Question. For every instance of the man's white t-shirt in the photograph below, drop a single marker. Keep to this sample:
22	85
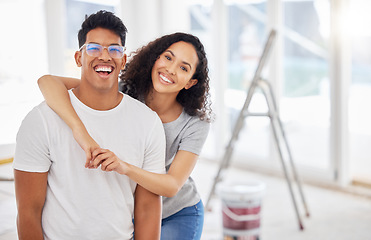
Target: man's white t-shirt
86	203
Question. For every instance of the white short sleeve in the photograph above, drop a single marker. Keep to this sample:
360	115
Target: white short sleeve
32	152
154	156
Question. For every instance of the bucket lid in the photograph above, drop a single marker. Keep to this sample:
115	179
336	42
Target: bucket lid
241	190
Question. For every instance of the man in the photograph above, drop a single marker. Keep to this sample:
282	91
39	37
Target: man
57	197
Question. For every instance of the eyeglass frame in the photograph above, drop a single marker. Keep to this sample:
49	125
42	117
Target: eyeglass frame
104	47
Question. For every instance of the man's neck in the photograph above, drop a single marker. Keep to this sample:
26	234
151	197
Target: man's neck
98	100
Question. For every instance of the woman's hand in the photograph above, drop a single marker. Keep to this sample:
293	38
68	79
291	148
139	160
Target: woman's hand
108	161
87	143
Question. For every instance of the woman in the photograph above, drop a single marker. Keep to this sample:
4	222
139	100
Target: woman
170	75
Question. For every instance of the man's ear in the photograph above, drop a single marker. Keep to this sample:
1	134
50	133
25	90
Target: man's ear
124	58
78	58
191	83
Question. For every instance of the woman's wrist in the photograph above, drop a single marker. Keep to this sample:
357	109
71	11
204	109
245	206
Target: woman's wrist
78	127
82	136
126	168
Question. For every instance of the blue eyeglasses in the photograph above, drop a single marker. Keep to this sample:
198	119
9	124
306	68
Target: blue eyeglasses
95	50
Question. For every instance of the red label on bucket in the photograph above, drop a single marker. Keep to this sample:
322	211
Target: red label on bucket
241	238
230	223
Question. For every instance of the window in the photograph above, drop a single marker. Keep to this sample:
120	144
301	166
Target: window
305	103
360	92
246	39
23	59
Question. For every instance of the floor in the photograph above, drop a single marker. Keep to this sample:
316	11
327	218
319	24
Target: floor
333	214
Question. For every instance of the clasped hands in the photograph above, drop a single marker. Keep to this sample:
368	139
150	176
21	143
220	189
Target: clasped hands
97	156
107	161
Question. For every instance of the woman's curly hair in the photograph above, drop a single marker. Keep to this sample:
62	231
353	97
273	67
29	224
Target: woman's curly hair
136	81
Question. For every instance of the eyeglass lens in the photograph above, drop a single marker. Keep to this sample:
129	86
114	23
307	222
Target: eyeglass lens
95	50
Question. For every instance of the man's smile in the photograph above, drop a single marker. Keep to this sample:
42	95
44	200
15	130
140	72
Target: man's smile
103	70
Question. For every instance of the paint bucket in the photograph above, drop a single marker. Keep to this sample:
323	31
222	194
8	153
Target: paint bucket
241	207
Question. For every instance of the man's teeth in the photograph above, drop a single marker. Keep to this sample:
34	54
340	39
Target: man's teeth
165	79
103	69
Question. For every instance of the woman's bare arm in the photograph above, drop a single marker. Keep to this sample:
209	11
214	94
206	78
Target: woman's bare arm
55	91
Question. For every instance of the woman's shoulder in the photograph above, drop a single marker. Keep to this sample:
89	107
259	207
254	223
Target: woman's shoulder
195	122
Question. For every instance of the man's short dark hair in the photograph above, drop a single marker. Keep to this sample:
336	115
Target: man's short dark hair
103	19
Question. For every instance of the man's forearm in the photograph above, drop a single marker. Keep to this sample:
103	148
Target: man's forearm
29	228
30	192
148	227
147	215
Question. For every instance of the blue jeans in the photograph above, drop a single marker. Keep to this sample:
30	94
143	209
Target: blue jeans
186	224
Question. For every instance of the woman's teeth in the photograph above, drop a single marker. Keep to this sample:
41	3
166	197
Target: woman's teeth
165	79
